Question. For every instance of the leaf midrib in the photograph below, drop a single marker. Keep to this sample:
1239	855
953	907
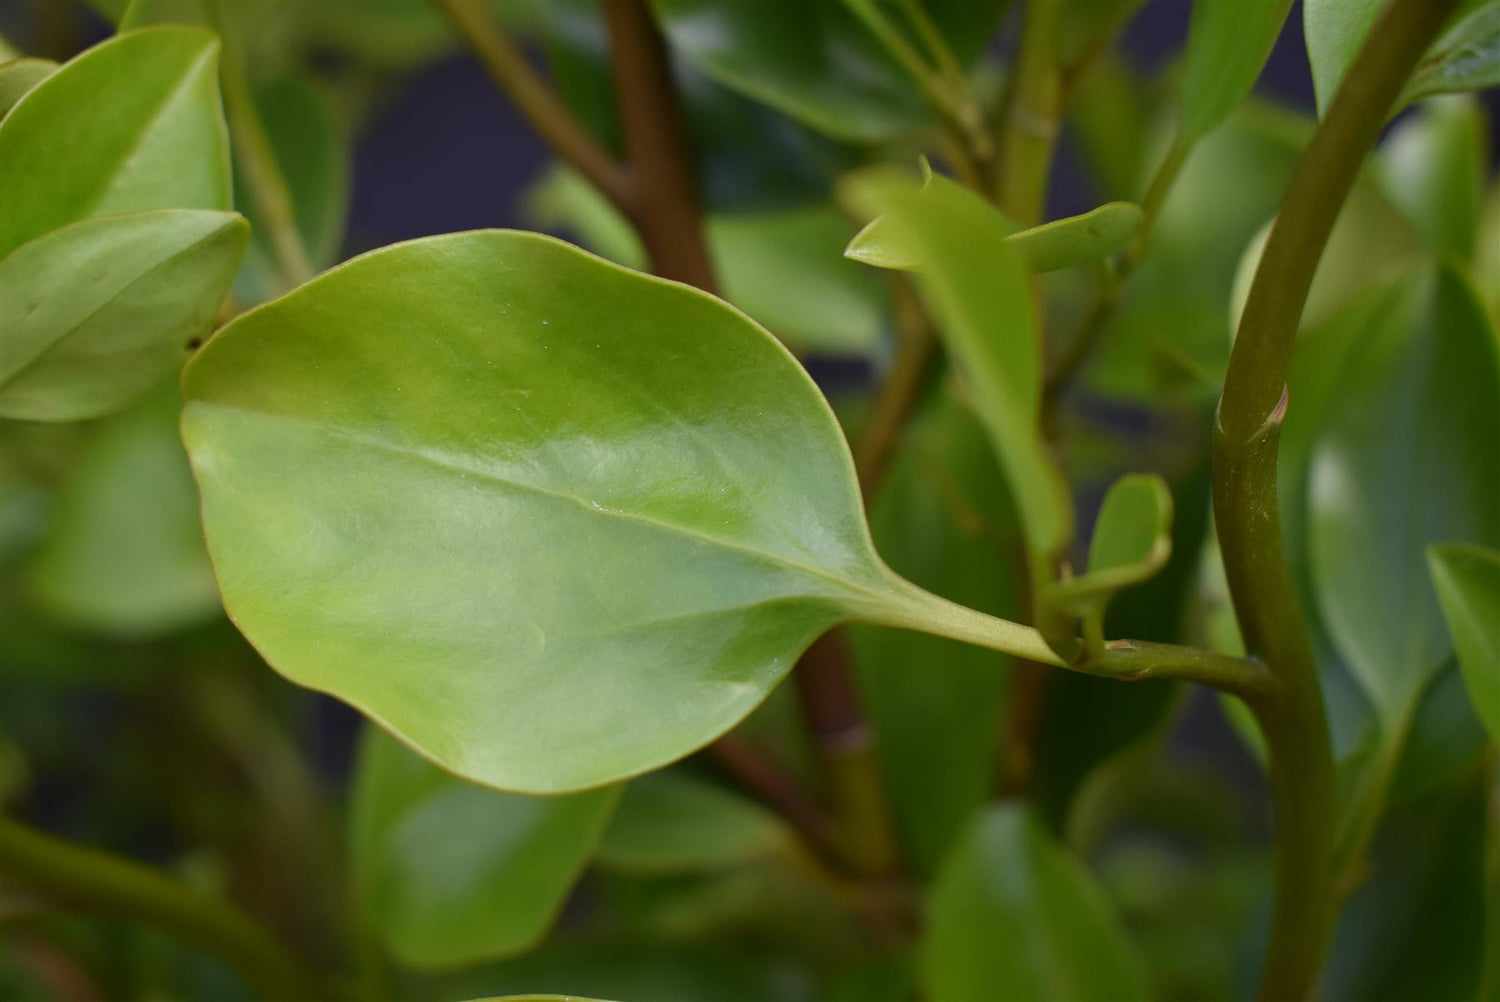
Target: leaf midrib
441	461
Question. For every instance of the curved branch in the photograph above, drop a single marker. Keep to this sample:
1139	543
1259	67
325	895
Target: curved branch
103	883
1246	436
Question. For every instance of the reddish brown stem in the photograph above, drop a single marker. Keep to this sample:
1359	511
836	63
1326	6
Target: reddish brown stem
665	210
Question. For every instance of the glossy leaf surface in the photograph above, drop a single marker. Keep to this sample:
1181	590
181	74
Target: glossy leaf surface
1014	915
124	554
97	312
1404	458
553	521
138	120
20	75
816	62
670	822
1467	579
1228	44
450	872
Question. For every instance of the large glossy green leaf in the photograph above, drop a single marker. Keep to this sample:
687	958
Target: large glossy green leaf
944	520
553	521
1405	457
816	62
782	267
1228	43
1014	915
20	75
450	873
1432	167
130	125
671	822
1467	579
97	312
124	554
980	292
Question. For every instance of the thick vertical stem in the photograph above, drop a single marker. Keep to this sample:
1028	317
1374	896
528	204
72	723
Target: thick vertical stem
1245	501
1030	127
665	210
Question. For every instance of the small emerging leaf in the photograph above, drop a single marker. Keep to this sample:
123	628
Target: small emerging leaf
1132	541
1467	579
450	873
96	313
978	287
1092	236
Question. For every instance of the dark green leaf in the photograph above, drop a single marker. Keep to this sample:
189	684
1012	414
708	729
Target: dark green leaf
1228	43
1015	916
1467	57
670	822
1415	928
20	75
944	520
1467	579
1404	458
552	521
97	312
450	873
130	125
815	61
124	554
1433	166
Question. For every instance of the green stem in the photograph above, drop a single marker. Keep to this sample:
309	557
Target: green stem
946	94
1124	660
1029	129
506	64
102	883
1151	202
932	38
259	166
1246	435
